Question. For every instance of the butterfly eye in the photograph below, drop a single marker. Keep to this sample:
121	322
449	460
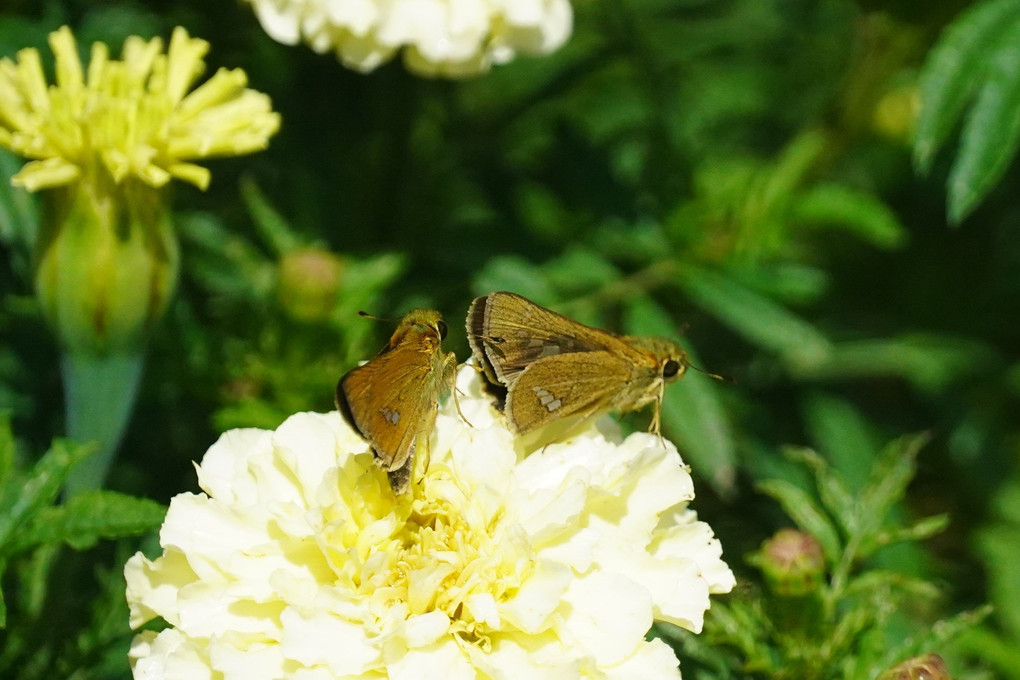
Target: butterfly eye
670	368
441	327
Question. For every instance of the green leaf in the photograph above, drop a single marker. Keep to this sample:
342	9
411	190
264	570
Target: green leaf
954	67
842	435
516	274
692	410
930	362
857	212
999	546
992	131
19	213
3	601
21	501
755	317
87	518
580	270
835	496
802	508
271	225
7	450
894	469
919	531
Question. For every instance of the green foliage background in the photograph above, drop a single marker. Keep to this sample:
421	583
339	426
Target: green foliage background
751	176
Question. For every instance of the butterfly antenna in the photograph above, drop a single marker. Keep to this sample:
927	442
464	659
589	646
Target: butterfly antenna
365	314
715	376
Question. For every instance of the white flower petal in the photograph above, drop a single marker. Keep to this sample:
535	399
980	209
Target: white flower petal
168	654
257	661
440	661
302	563
653	660
452	38
610	613
323	639
539	596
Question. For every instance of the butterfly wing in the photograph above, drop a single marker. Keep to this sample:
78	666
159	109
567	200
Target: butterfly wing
508	333
578	384
390	401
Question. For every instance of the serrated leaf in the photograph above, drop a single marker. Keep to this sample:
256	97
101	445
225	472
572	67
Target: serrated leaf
804	511
919	531
835	496
938	635
952	70
894	469
857	212
757	318
873	582
20	502
992	131
88	517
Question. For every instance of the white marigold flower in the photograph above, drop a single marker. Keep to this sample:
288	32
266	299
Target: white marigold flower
299	562
438	37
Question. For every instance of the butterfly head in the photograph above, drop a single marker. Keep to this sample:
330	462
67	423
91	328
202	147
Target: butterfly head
424	328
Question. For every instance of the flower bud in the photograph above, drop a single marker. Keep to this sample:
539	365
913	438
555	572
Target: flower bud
896	113
106	263
792	563
927	667
309	280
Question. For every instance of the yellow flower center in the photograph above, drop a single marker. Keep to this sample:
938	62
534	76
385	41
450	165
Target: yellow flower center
443	553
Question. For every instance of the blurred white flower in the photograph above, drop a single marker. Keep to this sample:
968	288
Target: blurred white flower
299	562
438	37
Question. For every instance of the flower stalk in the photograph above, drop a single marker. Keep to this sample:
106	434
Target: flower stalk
103	143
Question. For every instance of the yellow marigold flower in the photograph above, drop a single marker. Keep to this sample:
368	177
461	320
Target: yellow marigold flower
132	118
451	38
297	561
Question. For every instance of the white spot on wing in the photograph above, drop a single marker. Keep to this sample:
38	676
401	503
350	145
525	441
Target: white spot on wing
392	417
547	398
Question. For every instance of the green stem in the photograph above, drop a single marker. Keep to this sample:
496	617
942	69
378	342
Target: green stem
100	392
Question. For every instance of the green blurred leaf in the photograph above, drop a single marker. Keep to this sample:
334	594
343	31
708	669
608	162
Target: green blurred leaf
802	508
857	212
515	274
21	499
3	601
954	70
930	362
919	531
692	409
992	131
88	517
578	271
757	318
840	503
8	449
271	225
842	434
786	282
19	213
893	470
999	544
